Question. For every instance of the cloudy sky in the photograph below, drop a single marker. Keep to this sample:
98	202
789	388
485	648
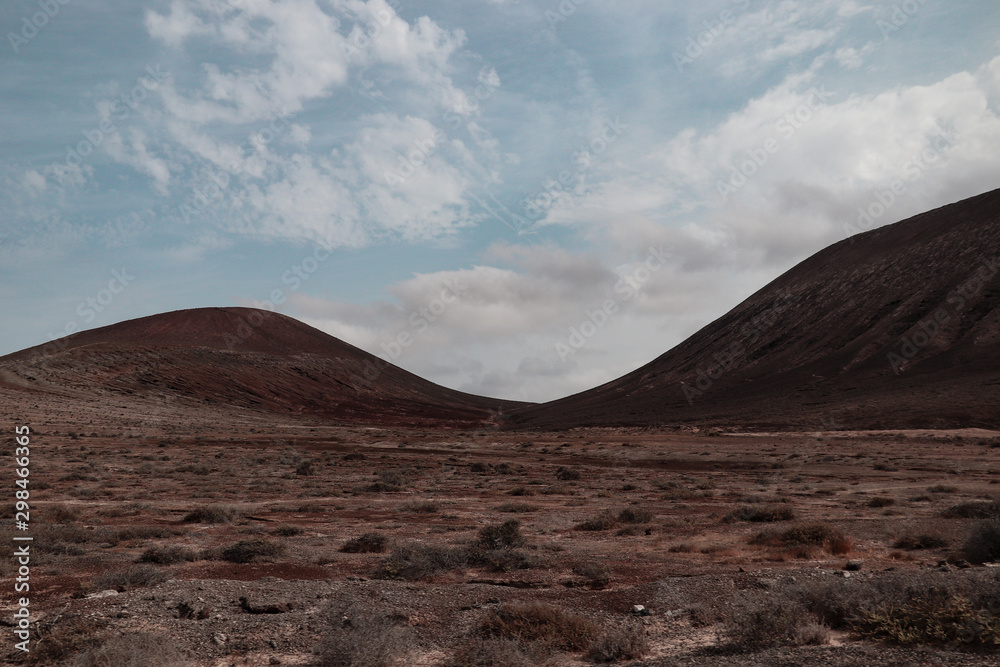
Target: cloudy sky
518	198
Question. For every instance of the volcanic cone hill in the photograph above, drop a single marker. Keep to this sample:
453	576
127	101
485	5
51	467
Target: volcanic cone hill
898	327
234	358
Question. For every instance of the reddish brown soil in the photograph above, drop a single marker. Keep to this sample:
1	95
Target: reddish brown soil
454	483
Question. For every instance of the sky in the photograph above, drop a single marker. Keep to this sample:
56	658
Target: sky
516	198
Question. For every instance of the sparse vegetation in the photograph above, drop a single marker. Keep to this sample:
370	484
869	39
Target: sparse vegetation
213	514
762	513
247	551
624	643
540	622
368	543
133	576
983	543
357	636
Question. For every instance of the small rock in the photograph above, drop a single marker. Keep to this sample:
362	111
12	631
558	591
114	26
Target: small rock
272	644
103	594
274	661
963	564
639	610
219	638
853	566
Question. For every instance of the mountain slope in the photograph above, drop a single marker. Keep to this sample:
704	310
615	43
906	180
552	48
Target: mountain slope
896	327
238	358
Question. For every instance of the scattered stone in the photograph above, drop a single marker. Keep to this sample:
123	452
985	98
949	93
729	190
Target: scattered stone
219	638
640	610
853	566
102	594
279	608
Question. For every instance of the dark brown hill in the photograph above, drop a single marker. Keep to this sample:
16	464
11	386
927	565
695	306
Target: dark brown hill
242	358
897	327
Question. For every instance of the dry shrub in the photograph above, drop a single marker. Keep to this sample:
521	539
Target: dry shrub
932	620
368	543
65	637
974	510
529	622
478	652
606	520
761	513
167	555
213	514
807	535
61	513
701	615
416	560
763	621
134	650
626	643
358	636
635	515
420	507
505	535
983	543
517	508
921	541
247	551
597	574
134	576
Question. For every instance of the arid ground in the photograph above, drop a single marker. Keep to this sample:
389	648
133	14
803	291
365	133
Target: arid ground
238	544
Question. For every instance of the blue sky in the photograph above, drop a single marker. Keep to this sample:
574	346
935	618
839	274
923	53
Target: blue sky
515	198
